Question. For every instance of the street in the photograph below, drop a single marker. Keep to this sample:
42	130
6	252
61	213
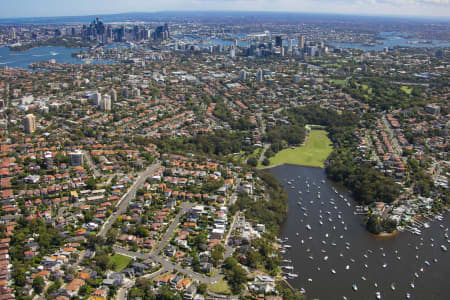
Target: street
122	205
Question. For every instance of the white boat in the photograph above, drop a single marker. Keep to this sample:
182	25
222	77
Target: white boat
363	278
309	280
347	267
333	271
325	258
408	295
443	248
308	226
378	295
288	267
292	275
354	287
412	285
384	266
392	286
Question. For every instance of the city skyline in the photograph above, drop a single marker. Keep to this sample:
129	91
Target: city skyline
46	8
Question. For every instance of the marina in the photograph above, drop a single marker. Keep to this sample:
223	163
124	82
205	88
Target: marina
340	253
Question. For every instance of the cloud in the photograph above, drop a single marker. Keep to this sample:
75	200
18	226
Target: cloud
442	2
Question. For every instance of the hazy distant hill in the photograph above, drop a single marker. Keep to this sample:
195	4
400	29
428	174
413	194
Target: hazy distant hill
204	16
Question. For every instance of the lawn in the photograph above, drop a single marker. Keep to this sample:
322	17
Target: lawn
339	81
220	287
313	154
406	89
120	261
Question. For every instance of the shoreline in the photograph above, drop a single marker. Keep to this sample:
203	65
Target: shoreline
281	164
386	234
381	235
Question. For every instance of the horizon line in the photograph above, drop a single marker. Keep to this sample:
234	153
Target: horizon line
399	16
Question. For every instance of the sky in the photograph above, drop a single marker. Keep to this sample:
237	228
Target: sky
50	8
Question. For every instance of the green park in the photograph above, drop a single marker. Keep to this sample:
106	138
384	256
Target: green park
313	153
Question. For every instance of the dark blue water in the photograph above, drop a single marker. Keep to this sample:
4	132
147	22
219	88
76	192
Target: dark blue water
398	252
23	59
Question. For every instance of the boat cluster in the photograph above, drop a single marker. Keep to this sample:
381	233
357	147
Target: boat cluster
330	216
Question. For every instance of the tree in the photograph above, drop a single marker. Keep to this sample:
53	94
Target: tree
93	241
252	161
103	262
19	276
142	232
91	184
38	284
374	224
111	236
217	254
202	288
234	274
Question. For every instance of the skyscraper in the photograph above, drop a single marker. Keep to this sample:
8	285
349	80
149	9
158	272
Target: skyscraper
301	42
48	159
29	123
259	75
243	75
125	92
96	98
76	158
106	103
161	32
135	92
278	41
232	52
113	95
